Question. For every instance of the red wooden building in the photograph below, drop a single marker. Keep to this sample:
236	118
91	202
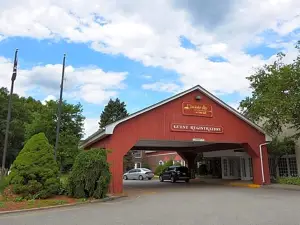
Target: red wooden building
190	122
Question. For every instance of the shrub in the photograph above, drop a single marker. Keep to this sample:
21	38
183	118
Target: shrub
90	175
64	183
4	182
289	180
161	168
158	170
34	173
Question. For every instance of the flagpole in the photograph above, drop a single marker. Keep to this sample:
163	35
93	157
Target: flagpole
13	78
59	107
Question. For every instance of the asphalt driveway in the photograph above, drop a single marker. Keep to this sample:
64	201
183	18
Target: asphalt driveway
154	203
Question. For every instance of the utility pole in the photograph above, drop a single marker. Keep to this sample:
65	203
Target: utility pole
13	78
59	107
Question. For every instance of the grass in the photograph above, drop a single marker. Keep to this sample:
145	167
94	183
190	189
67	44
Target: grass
81	200
50	202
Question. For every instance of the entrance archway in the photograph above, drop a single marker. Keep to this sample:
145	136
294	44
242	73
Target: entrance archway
183	119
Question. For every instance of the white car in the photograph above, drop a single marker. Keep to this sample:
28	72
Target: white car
138	174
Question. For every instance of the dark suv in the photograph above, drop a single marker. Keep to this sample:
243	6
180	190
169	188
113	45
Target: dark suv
174	173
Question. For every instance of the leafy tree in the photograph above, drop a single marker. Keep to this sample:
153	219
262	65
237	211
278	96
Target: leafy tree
90	175
34	173
22	110
71	129
113	111
275	99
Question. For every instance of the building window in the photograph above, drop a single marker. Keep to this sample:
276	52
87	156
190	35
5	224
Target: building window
286	167
225	167
138	165
293	166
231	167
160	163
137	154
244	167
250	167
283	167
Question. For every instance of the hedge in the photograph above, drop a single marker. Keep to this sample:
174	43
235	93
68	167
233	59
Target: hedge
90	175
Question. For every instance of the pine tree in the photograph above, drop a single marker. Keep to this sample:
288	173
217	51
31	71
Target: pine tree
113	111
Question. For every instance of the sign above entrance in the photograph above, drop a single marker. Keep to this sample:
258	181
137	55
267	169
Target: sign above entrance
192	109
196	128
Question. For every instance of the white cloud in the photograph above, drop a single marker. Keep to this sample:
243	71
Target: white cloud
147	76
90	126
133	30
234	105
92	85
161	86
49	98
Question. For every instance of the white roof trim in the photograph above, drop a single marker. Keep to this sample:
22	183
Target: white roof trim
109	129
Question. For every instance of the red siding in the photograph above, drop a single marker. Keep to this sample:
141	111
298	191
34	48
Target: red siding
155	125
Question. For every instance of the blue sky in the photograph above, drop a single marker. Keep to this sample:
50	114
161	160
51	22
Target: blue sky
124	50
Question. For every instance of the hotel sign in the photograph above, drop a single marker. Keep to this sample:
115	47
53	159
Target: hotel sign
192	109
196	128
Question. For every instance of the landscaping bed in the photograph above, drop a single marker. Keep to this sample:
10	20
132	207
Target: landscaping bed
18	203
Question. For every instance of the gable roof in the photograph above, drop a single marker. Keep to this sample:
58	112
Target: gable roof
109	129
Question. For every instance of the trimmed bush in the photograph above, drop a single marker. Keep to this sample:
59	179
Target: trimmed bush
90	176
289	180
34	173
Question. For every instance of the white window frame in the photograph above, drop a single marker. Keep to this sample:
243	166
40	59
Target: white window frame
288	166
136	165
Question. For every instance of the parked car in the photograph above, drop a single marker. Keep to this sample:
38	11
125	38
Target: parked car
174	173
138	174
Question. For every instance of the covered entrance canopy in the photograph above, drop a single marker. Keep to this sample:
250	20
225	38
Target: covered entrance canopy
177	124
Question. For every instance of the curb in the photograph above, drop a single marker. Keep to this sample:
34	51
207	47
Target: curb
282	188
244	185
236	184
107	199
